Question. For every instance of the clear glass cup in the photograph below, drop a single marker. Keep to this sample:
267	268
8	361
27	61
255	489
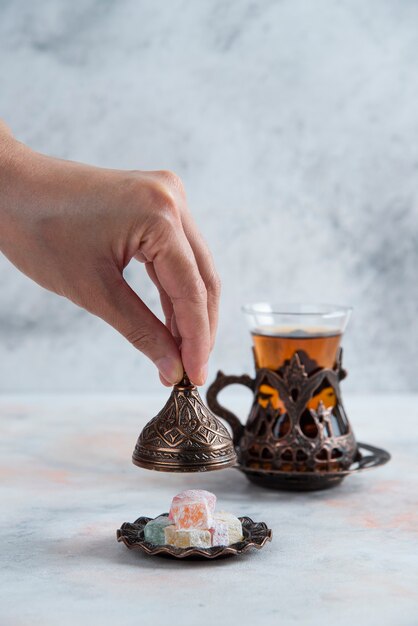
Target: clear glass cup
314	331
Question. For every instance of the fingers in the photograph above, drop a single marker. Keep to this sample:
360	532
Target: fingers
181	266
207	270
166	305
201	252
120	306
178	275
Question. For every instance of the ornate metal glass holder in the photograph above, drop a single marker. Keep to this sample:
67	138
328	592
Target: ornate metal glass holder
298	448
185	436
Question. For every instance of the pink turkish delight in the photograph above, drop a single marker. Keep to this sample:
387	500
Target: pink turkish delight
193	495
193	508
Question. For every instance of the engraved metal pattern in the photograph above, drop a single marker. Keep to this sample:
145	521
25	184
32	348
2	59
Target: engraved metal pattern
256	535
367	457
185	436
260	443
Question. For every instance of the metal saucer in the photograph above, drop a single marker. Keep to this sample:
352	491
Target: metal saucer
256	535
367	457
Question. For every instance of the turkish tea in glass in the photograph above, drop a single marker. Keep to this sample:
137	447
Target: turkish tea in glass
275	346
297	422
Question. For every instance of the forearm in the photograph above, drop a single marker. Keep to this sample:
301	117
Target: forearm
37	190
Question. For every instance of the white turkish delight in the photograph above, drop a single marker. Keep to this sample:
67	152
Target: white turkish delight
233	524
193	537
219	534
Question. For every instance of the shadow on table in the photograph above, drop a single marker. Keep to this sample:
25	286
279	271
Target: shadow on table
111	553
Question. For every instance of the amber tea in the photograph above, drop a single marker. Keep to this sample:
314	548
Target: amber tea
273	346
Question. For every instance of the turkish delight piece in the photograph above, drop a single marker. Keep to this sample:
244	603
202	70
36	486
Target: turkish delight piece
194	495
194	537
233	524
154	530
170	534
192	515
219	534
193	509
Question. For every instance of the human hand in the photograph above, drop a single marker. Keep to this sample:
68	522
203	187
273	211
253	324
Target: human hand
73	229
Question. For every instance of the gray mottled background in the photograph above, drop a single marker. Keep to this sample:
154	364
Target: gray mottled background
294	125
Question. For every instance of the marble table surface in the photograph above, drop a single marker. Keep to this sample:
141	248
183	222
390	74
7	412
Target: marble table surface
344	556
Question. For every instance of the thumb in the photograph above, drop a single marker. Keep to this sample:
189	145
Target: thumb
121	307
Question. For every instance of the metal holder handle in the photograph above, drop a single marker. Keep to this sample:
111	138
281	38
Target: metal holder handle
221	381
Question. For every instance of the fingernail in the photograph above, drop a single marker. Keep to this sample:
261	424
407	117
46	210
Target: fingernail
171	369
164	381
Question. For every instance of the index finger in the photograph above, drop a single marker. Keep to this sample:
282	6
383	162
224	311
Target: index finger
206	268
177	271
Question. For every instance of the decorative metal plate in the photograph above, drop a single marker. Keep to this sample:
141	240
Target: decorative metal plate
256	535
367	457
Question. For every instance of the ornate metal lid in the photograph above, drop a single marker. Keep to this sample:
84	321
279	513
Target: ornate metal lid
185	436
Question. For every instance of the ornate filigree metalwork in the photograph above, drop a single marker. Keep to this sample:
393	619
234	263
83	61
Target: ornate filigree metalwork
292	436
185	436
256	535
367	457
